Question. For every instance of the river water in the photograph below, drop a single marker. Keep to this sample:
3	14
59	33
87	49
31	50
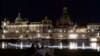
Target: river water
51	43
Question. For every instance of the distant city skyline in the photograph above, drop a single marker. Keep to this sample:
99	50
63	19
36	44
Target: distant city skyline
81	12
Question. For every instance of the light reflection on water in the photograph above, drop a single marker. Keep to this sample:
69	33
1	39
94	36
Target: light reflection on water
60	45
3	45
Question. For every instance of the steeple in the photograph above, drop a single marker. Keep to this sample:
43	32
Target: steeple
65	18
18	14
46	17
18	19
46	21
65	10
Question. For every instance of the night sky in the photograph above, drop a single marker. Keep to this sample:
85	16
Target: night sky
80	11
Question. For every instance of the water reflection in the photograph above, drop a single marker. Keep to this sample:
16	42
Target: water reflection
94	45
83	45
61	45
70	45
3	45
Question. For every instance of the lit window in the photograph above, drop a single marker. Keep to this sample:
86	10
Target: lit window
17	31
61	30
49	31
5	31
21	36
61	36
4	24
73	36
93	39
3	36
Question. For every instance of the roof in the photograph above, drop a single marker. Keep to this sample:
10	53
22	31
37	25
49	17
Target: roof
18	19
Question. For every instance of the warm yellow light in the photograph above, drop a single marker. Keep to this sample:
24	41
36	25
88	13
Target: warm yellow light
3	36
93	39
98	34
83	35
48	37
17	31
49	31
81	30
39	35
71	31
5	31
4	24
38	31
21	36
27	31
61	36
73	36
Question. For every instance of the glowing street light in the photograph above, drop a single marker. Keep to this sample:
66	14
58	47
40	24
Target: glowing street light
61	36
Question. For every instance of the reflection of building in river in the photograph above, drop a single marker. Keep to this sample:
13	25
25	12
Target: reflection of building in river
63	28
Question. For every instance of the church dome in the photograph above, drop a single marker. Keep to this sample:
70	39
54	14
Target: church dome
18	19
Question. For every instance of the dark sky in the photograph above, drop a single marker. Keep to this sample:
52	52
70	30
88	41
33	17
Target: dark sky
81	11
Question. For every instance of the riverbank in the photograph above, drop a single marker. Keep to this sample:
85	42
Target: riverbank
57	52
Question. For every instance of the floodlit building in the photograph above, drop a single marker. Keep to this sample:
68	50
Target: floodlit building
21	28
64	28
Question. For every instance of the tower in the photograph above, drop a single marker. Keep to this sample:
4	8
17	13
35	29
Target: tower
65	18
18	19
5	22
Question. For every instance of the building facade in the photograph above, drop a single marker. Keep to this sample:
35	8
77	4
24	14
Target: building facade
64	29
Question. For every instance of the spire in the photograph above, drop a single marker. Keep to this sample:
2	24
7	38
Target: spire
65	18
18	14
65	10
18	19
5	19
46	17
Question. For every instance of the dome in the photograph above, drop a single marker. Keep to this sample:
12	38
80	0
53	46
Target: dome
18	19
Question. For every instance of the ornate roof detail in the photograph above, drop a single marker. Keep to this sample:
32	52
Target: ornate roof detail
18	19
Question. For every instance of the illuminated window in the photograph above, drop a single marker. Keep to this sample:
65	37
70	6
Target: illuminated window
73	36
4	24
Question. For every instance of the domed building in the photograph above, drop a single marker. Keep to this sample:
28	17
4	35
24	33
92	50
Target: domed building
18	19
